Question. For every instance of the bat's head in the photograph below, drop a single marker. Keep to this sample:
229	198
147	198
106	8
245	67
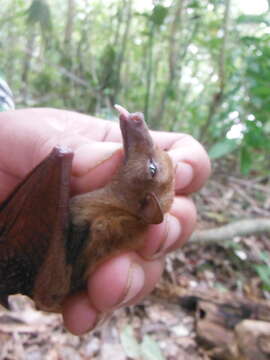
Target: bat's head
147	174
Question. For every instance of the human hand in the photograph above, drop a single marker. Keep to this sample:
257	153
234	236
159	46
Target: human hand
27	136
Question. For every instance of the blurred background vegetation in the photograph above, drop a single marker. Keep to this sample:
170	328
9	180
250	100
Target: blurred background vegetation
198	66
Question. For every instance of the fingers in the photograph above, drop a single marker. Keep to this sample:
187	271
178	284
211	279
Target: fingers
173	232
126	278
192	165
38	130
136	273
94	161
79	315
118	282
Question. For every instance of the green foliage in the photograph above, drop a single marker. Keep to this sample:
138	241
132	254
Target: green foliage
222	148
39	13
252	19
148	349
106	68
159	14
245	159
263	270
130	343
170	63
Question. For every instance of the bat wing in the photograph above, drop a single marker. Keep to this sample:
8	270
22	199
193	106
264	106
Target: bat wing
33	226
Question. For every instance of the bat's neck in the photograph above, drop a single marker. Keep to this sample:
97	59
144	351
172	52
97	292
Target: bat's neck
115	199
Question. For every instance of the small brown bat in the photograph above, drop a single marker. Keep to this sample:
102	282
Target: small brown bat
50	243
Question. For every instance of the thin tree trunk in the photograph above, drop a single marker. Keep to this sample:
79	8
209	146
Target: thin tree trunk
30	44
182	93
119	17
174	57
149	71
218	96
69	26
122	51
67	51
9	68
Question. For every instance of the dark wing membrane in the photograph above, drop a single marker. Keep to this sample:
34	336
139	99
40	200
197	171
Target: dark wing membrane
77	240
77	236
33	216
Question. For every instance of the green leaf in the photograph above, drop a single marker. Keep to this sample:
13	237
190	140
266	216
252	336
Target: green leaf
254	136
222	148
252	19
265	257
159	14
245	160
264	274
194	4
150	349
263	91
129	343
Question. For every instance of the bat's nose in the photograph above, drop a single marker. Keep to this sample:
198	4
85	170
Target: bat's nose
136	136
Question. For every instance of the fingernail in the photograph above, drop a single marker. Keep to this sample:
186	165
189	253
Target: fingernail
172	234
99	151
101	320
183	175
134	284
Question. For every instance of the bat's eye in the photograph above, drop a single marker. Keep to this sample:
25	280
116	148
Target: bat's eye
152	168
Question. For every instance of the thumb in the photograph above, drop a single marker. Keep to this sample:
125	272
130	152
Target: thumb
94	164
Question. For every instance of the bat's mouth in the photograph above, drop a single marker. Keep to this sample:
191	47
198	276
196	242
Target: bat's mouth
135	133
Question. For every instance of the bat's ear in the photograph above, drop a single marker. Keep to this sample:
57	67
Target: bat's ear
151	211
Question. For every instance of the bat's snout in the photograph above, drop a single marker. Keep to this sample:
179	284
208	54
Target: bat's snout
134	130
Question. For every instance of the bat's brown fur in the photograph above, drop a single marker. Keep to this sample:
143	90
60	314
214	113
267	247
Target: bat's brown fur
117	222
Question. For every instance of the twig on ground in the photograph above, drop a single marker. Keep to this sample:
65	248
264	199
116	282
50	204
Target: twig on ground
229	231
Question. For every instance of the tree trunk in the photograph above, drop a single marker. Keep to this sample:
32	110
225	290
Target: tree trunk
218	95
69	26
30	44
175	44
122	50
149	72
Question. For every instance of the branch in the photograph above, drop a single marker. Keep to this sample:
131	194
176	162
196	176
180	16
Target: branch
229	231
72	76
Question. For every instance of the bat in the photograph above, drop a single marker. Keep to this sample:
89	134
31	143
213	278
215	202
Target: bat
51	242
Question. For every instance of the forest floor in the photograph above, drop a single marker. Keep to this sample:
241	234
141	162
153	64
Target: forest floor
159	328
